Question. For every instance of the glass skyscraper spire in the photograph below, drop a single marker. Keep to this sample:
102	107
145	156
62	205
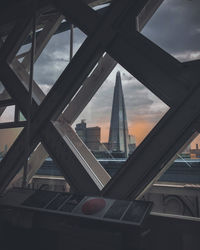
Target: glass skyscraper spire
118	135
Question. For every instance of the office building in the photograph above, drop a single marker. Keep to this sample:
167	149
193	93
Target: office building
89	135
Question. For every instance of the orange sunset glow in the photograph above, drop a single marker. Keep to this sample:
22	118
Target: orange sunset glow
140	129
8	136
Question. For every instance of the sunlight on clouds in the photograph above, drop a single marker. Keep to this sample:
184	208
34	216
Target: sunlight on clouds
188	56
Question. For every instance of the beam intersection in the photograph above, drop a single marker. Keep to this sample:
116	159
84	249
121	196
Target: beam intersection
156	69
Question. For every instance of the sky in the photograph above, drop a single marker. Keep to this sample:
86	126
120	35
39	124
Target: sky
174	27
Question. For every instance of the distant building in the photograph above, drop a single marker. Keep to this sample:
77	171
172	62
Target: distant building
131	144
81	130
93	138
90	136
120	143
195	153
118	135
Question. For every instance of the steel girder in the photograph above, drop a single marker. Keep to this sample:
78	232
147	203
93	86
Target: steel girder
166	77
92	43
75	107
161	73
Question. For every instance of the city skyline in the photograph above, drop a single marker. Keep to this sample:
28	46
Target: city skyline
120	142
143	108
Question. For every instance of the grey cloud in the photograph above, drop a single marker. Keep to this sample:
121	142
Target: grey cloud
126	77
140	103
55	57
175	26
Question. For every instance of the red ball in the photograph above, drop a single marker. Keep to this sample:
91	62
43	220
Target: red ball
93	206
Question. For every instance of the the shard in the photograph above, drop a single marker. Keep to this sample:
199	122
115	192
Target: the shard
118	136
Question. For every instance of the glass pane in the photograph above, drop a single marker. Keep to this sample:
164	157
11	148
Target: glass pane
21	117
52	53
7	138
49	177
177	190
42	173
56	55
175	28
185	168
8	114
117	118
139	109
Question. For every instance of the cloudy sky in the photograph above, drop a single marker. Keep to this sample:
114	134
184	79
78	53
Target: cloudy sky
174	27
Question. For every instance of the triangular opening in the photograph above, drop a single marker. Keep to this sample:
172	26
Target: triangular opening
42	173
177	189
139	110
57	41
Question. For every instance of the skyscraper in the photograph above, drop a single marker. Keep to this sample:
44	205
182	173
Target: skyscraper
118	135
90	136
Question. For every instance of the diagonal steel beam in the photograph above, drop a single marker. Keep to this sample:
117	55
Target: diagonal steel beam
80	152
73	110
148	66
10	166
36	159
183	138
15	39
23	75
158	148
90	86
148	11
167	70
88	54
12	44
105	66
49	29
86	156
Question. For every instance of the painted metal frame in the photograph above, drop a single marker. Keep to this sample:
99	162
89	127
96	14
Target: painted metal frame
157	70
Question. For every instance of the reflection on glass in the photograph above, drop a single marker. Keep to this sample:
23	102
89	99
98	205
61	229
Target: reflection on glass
186	168
177	190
